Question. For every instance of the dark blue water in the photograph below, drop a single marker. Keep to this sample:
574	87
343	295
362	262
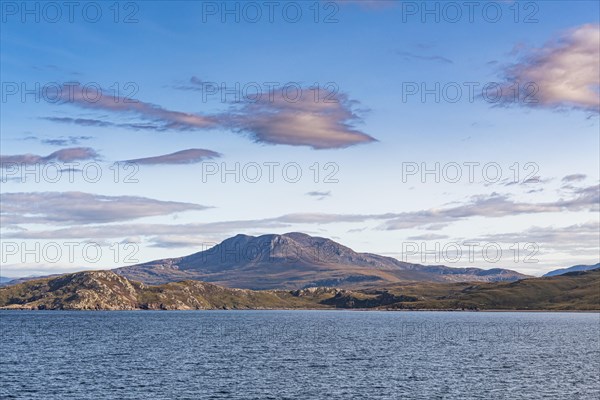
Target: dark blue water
299	355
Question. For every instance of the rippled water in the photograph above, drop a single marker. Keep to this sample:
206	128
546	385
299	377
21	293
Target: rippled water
299	355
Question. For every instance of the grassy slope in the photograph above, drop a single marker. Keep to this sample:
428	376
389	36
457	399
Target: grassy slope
575	291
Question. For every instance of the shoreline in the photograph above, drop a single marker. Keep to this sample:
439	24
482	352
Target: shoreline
597	311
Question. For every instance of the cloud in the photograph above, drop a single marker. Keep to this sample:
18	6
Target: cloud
180	241
495	206
80	96
430	236
106	124
80	121
411	56
189	156
286	116
562	237
534	180
82	208
319	195
356	230
200	85
323	124
535	190
321	218
566	246
564	73
164	232
63	155
574	178
60	141
69	140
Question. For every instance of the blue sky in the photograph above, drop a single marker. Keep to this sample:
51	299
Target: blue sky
167	56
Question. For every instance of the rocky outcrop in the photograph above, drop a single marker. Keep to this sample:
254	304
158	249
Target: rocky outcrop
105	290
98	290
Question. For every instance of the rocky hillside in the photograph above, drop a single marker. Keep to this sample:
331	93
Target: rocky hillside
105	290
295	261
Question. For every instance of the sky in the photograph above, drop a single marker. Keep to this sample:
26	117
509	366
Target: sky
455	133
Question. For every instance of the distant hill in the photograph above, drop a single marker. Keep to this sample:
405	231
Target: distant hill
4	280
573	269
571	291
296	261
105	290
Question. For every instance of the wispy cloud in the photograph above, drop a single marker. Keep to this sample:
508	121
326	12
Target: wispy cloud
80	121
494	206
534	180
574	178
428	236
76	95
82	208
575	244
319	195
189	156
563	73
560	237
198	85
180	241
272	119
71	140
158	232
92	122
60	141
63	155
436	58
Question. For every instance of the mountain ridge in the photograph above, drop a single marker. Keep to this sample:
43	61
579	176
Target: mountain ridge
296	260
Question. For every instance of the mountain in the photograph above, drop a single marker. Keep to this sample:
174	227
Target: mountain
4	280
295	261
573	269
105	290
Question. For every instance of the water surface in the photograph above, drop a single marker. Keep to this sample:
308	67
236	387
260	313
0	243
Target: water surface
298	355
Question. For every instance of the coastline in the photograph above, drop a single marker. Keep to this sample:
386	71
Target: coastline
422	310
